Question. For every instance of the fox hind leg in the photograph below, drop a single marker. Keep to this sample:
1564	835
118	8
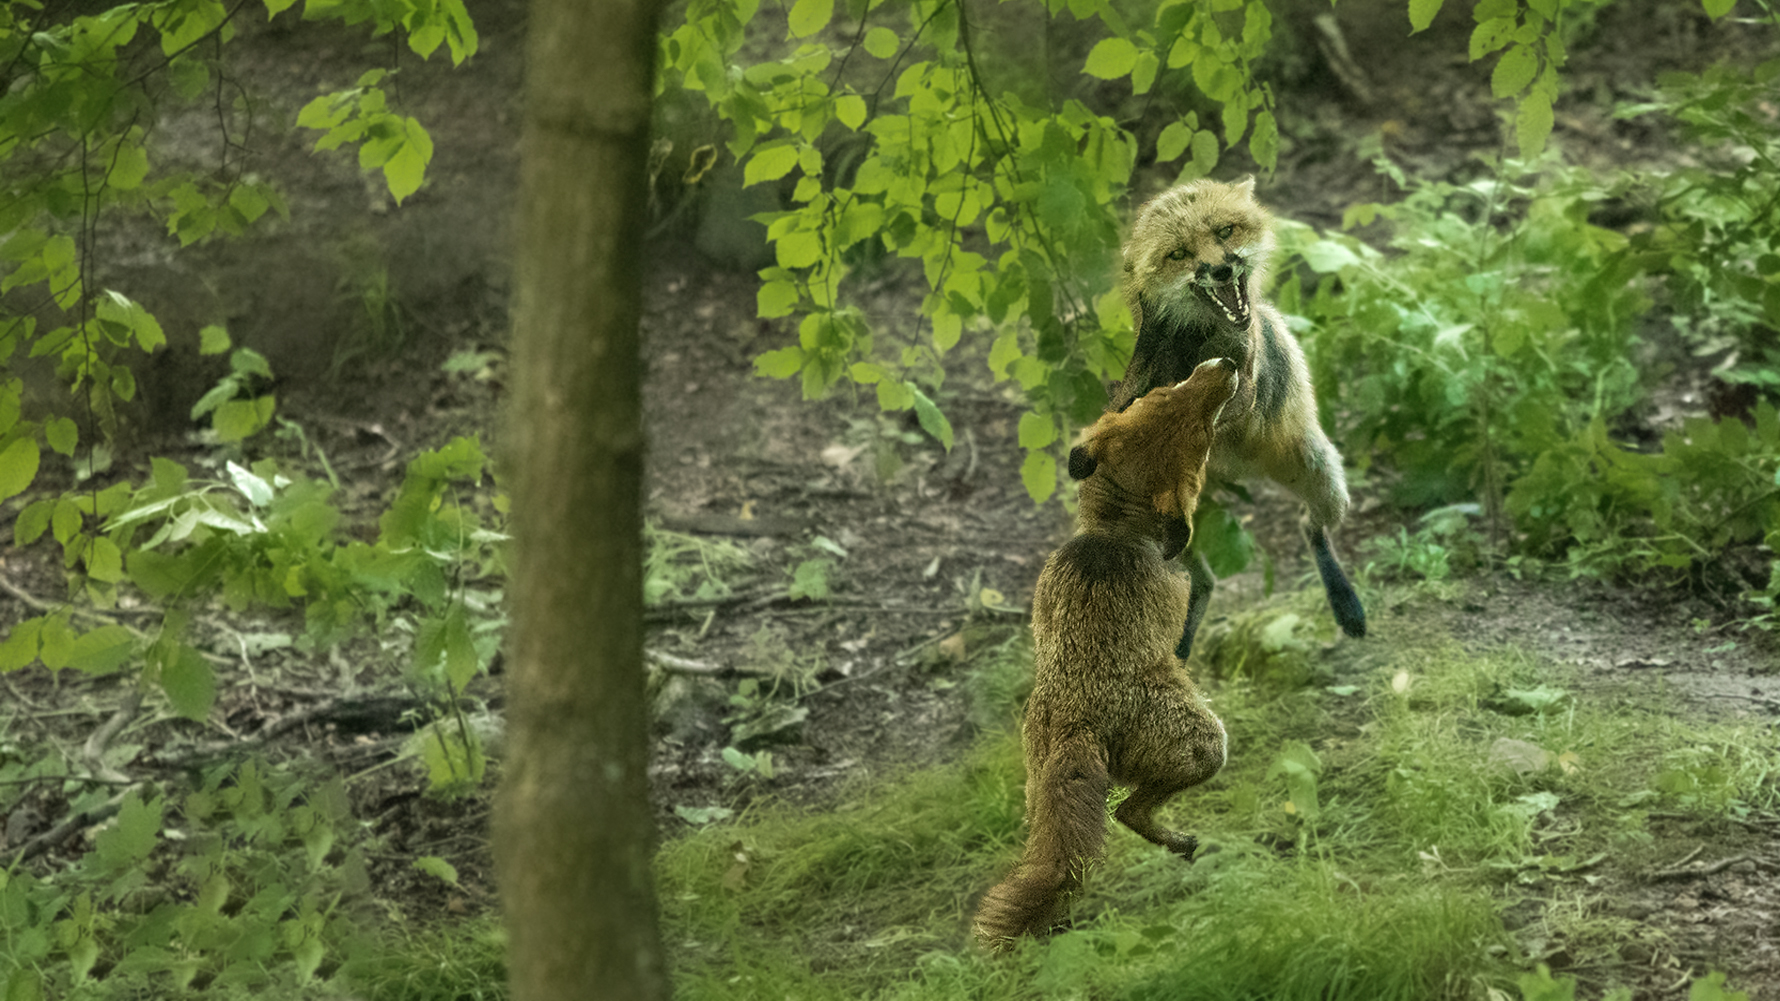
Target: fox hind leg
1136	812
1183	744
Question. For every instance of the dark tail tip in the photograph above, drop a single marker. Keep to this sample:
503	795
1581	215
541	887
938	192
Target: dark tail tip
1350	615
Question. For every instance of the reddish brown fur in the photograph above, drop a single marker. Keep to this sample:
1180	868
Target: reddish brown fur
1111	702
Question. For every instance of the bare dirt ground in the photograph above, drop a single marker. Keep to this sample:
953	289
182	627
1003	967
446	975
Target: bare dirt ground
741	458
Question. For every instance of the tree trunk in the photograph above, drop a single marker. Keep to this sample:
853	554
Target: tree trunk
573	835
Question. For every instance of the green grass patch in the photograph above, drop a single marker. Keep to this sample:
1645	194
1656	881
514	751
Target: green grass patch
1360	844
446	962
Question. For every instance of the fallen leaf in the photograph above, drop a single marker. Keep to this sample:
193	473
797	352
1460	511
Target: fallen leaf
1570	762
1519	755
1400	683
840	456
952	647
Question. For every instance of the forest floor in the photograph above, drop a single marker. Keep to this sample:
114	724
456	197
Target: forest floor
929	558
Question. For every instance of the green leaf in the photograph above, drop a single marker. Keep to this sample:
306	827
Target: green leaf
1235	119
461	662
132	838
453	756
213	340
1326	256
1143	75
1173	141
25	984
1421	14
189	682
894	395
67	521
18	467
189	75
810	580
882	42
850	109
247	361
437	868
1532	125
776	298
1036	431
248	200
798	249
105	562
810	16
769	164
932	421
1299	766
1540	986
1263	143
33	521
1716	9
1218	536
780	364
237	419
1514	70
257	491
406	169
1711	988
20	646
1004	352
1205	156
1111	58
948	327
1039	474
128	168
62	435
101	651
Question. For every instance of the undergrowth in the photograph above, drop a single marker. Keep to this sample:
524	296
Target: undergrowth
1360	844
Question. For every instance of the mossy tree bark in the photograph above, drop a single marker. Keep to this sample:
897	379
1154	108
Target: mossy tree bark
573	835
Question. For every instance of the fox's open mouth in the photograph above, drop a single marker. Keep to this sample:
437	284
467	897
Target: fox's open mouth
1230	296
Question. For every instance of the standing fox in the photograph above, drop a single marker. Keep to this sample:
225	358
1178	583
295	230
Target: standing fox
1111	701
1193	272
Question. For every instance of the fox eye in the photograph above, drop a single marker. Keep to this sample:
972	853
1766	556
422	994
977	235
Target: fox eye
1223	232
1178	254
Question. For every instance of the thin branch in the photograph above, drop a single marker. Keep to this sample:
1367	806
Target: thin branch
71	823
92	754
1707	869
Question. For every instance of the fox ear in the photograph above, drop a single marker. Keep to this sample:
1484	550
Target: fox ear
1246	185
1082	463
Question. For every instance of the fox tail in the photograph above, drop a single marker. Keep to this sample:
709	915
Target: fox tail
1066	815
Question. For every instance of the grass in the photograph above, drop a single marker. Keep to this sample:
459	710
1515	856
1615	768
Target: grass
1365	841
